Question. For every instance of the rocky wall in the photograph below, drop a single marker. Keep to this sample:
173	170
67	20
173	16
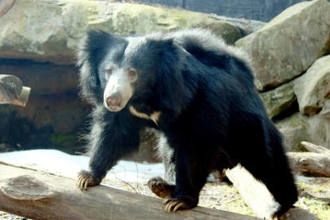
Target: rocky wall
290	57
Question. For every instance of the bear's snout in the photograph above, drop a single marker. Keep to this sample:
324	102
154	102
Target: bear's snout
114	102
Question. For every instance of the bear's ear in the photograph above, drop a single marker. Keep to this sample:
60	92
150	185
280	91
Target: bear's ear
92	50
172	94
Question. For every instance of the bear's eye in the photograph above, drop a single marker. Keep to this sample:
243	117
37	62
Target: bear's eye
108	71
132	75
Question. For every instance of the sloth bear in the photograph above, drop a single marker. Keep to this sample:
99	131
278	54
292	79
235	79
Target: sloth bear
198	92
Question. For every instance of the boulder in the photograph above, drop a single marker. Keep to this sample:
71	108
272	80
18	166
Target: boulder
248	9
246	26
50	30
294	130
279	99
289	44
319	127
299	127
313	88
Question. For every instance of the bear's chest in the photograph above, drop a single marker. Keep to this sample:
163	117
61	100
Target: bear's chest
148	114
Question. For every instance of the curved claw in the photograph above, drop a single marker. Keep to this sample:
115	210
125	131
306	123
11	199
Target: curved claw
82	182
86	179
179	206
165	201
173	205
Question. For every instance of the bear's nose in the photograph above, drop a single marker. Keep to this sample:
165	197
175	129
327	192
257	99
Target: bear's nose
114	100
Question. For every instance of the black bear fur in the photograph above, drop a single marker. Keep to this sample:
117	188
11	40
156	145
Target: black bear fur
210	111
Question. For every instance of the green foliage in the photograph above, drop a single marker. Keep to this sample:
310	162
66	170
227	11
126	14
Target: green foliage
65	142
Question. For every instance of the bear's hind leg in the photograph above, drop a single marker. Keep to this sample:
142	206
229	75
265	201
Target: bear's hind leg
191	175
269	164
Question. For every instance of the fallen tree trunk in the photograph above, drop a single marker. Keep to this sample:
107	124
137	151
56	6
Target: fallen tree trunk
310	163
38	195
315	148
315	162
5	6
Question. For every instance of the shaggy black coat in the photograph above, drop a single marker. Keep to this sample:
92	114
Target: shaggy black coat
211	113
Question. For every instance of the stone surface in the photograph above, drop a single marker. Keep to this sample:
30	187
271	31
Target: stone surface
313	88
294	130
298	127
279	99
246	26
319	130
64	22
55	117
263	10
289	44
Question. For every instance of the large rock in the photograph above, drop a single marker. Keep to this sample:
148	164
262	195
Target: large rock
249	9
49	30
289	44
319	126
294	129
299	127
313	88
279	100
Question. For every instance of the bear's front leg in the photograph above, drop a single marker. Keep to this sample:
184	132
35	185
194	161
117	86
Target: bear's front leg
86	179
113	135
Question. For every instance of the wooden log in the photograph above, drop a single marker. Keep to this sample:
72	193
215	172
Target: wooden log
315	162
315	148
12	91
5	6
38	195
310	163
